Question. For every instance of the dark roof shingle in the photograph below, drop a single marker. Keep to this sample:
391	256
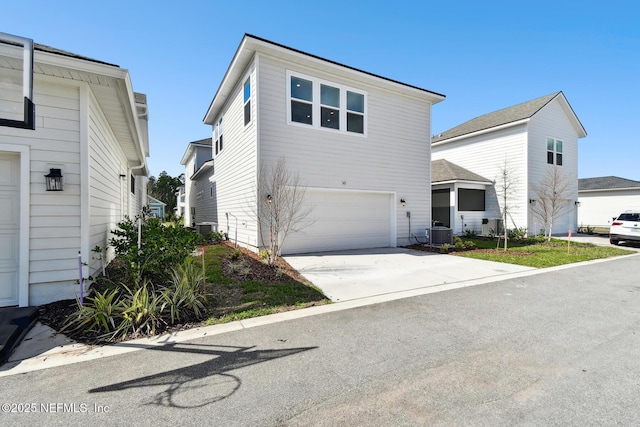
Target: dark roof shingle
443	170
606	183
501	117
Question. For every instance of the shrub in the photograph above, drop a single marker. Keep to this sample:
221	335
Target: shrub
216	236
445	248
518	233
235	254
184	297
264	255
162	247
100	313
469	244
458	243
141	311
470	233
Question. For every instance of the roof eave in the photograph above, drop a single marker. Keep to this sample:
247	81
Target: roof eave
480	132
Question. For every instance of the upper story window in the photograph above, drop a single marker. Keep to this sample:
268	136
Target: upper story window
247	101
323	104
217	136
554	151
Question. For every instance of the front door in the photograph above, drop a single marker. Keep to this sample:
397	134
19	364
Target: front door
9	228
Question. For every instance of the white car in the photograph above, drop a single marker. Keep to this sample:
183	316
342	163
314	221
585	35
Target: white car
625	227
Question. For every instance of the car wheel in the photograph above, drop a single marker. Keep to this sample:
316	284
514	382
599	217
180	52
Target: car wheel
614	242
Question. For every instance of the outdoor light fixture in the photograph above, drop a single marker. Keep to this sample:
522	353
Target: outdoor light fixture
532	201
403	202
577	203
54	180
269	198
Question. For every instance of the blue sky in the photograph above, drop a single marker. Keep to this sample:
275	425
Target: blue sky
483	56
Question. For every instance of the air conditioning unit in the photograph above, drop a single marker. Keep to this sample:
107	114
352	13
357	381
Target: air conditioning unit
492	226
205	228
440	235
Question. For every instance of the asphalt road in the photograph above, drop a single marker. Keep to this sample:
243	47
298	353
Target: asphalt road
557	348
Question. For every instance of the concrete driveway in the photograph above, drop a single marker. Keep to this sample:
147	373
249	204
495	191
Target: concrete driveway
362	273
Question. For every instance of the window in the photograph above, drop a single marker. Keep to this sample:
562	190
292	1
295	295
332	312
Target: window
355	112
471	200
247	101
554	151
301	101
217	136
133	184
322	104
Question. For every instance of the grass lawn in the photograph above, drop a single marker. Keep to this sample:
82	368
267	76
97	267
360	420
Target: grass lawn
533	253
240	286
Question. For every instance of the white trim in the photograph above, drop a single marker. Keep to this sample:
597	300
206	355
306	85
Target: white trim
25	219
316	104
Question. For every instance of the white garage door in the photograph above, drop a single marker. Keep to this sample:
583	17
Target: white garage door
9	228
343	220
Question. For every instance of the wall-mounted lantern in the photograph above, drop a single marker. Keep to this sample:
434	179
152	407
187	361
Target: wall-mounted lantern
577	203
532	201
269	198
54	180
403	202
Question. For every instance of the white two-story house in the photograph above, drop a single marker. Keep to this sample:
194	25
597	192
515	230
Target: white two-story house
70	170
527	140
359	142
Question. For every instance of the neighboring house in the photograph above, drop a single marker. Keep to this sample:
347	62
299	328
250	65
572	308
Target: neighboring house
606	197
90	128
180	202
359	142
200	187
529	139
156	207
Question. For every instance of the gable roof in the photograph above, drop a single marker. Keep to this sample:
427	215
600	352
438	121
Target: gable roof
606	183
251	44
444	171
206	142
510	115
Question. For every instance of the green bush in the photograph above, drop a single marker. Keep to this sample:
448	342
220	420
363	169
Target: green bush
518	233
235	254
162	247
445	248
216	236
185	296
470	233
100	314
141	311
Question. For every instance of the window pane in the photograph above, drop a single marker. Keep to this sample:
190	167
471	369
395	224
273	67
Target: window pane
559	159
247	113
301	89
220	142
330	96
330	118
471	200
355	102
247	90
549	144
301	112
550	157
355	123
558	146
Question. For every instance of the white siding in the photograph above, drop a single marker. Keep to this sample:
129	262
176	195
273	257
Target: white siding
552	121
393	157
485	155
235	167
54	216
110	193
597	208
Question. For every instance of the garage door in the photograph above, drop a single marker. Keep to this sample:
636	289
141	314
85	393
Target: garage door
9	228
343	220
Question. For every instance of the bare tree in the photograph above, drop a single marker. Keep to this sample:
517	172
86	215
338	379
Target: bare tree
281	206
506	187
551	194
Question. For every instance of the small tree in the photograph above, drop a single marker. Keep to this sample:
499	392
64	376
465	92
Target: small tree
551	195
164	188
506	187
281	206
